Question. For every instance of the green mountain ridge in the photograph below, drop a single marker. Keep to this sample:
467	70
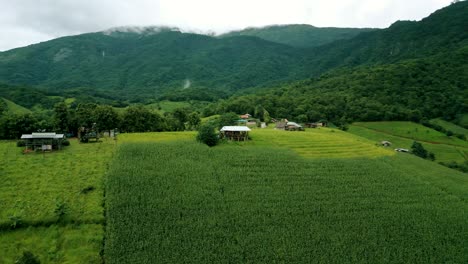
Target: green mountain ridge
299	35
164	63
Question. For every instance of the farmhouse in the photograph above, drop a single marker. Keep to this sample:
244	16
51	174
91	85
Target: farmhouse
293	126
43	141
246	116
238	133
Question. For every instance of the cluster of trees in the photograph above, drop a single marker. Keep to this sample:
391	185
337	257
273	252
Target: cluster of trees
410	90
65	119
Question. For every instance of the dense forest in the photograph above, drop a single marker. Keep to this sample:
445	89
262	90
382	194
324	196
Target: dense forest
301	36
410	90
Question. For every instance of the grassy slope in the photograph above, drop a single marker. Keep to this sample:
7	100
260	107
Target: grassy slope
14	108
450	126
402	135
185	202
31	185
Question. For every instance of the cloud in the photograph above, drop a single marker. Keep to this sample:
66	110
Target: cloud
24	22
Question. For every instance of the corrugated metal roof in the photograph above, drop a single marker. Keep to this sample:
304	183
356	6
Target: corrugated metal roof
293	124
42	135
235	128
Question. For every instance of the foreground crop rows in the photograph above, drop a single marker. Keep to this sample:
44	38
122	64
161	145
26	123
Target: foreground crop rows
185	202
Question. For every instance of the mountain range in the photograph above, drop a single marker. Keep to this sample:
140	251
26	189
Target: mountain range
164	63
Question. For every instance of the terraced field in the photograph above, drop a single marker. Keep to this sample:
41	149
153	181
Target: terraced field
445	150
320	143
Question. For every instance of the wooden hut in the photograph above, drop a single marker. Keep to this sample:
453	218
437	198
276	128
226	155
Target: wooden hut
238	133
43	141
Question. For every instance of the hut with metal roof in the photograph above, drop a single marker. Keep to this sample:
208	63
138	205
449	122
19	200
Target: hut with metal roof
237	133
43	141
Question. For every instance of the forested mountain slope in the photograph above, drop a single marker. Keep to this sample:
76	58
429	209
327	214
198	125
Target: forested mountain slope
166	63
299	35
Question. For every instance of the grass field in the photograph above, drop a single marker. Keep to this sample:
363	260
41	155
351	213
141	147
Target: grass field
175	202
450	126
412	131
34	185
378	131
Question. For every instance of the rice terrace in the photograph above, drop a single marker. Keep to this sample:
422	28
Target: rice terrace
157	131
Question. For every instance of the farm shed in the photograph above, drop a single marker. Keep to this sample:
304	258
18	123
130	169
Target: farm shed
293	126
238	133
43	141
386	143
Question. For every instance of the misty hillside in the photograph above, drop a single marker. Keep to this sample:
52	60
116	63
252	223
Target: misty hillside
305	36
162	62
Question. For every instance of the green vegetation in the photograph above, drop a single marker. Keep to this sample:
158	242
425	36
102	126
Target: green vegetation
243	203
52	203
413	131
302	36
450	126
167	64
319	143
402	134
12	108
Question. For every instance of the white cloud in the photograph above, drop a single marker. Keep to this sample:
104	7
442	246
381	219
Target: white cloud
24	22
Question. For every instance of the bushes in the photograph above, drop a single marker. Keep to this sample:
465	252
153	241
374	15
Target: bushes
207	135
418	150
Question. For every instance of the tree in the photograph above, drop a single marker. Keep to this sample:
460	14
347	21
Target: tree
228	119
418	150
139	119
106	117
207	135
193	120
61	117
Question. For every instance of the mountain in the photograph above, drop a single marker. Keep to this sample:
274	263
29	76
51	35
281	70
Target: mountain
444	30
152	63
141	64
416	89
300	35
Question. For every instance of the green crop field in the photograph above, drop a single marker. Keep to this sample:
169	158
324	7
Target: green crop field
450	126
175	202
413	131
456	150
35	184
320	142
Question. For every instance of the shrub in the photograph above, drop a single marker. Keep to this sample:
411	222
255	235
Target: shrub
418	150
61	209
20	143
66	142
28	258
207	135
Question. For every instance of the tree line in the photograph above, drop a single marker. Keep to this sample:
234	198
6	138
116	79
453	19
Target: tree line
68	120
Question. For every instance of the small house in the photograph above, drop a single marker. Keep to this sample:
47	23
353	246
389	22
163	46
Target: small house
293	126
246	116
43	141
237	133
386	143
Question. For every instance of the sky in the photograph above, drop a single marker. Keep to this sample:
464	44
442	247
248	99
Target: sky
25	22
